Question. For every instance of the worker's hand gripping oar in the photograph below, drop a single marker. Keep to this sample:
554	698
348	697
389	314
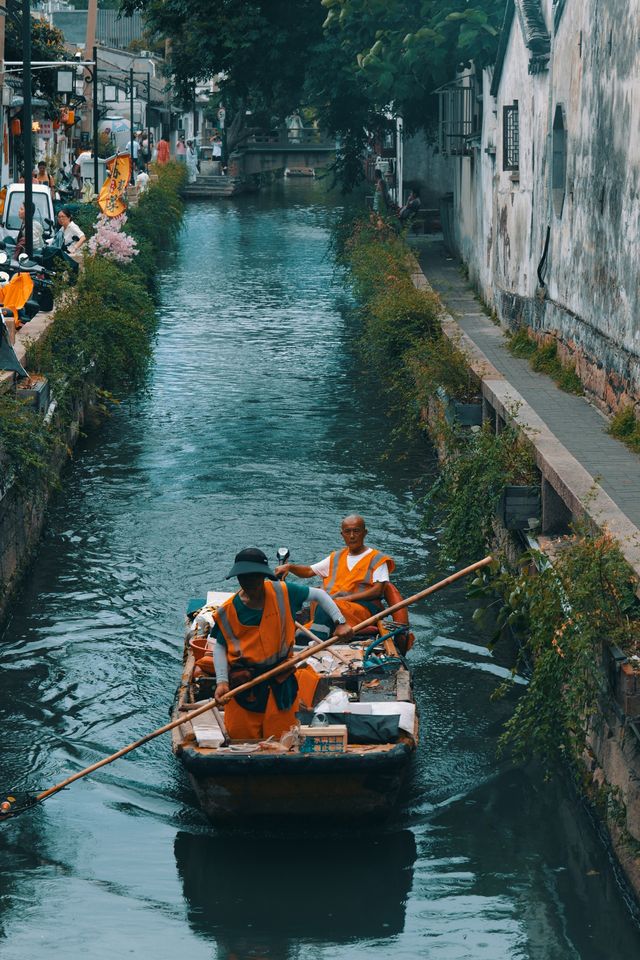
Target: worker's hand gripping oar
16	803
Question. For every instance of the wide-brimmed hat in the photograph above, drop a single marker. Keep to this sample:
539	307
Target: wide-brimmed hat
250	560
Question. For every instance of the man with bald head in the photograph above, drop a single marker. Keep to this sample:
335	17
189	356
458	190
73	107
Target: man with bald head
354	576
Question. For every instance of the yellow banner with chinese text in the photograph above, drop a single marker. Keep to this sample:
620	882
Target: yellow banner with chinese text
111	196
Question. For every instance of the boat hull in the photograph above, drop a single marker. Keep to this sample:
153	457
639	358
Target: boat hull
342	786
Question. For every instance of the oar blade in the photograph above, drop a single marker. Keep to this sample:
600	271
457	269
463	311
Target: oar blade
13	804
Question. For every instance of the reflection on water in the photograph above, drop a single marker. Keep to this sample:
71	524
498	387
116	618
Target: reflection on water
315	882
259	427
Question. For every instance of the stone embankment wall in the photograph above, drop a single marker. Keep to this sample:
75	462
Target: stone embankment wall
569	214
612	762
23	514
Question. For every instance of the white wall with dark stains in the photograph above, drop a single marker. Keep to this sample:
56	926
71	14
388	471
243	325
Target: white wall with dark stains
591	300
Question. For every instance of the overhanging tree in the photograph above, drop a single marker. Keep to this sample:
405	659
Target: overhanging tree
351	61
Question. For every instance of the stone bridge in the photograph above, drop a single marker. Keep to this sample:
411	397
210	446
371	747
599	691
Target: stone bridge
303	149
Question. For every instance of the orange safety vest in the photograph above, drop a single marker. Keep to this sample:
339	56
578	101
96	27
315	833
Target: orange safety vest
270	641
360	577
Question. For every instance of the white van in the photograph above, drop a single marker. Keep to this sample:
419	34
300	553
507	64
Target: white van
10	223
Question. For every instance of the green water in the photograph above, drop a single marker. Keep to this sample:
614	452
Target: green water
259	428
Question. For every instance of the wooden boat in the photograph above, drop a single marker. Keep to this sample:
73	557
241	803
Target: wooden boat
354	772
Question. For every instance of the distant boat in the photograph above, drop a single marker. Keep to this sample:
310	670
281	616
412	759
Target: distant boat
299	172
351	768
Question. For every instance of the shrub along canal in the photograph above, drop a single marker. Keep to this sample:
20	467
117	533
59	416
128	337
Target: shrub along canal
259	427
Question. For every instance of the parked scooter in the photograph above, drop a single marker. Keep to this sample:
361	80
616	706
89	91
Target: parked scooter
41	297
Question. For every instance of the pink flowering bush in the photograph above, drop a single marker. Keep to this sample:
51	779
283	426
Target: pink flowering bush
110	241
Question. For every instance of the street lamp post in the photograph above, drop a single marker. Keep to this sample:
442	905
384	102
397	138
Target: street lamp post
27	130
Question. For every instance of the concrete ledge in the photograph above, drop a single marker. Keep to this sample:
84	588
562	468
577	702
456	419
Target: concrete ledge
29	333
577	488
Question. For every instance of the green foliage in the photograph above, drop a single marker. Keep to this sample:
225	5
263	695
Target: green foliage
626	427
544	359
521	345
47	43
259	47
347	60
465	495
562	613
439	363
27	444
103	330
396	317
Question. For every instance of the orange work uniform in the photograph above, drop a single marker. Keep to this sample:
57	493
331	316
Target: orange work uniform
270	707
341	580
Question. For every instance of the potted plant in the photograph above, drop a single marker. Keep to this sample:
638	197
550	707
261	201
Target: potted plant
520	503
443	369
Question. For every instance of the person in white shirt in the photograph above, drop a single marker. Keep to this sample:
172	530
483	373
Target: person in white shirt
37	231
67	242
133	147
355	576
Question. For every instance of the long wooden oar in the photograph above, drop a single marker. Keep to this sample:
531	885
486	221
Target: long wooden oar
13	805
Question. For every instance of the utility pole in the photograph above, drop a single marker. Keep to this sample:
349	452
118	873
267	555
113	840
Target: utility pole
91	86
133	179
94	110
3	18
27	129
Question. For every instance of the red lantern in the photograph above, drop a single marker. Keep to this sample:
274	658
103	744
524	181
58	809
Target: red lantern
71	117
56	124
16	127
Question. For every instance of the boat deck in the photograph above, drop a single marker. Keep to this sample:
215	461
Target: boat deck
369	703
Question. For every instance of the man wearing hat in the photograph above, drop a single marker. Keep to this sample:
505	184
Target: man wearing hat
254	631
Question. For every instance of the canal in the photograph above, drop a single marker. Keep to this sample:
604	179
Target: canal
259	427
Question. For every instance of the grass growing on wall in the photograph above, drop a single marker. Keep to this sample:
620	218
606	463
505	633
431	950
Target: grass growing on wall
563	613
465	495
625	426
543	358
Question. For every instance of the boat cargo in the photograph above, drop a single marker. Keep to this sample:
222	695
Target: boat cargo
347	757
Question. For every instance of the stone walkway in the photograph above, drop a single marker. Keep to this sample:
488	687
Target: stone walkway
578	427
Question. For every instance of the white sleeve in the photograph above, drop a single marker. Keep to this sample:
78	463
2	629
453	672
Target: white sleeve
326	603
322	569
381	575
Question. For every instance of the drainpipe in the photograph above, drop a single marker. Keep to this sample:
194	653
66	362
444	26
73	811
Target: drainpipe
399	159
549	182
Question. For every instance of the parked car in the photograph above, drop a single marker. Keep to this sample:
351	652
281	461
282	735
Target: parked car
9	220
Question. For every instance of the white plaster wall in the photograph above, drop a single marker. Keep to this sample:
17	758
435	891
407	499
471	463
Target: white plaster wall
501	216
425	165
594	252
520	201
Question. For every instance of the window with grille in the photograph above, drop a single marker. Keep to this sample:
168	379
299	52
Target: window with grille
510	137
460	116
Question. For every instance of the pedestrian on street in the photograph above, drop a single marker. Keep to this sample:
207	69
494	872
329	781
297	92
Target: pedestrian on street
192	162
163	154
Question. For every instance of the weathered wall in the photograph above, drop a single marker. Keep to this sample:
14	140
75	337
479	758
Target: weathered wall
23	514
593	270
591	301
425	166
